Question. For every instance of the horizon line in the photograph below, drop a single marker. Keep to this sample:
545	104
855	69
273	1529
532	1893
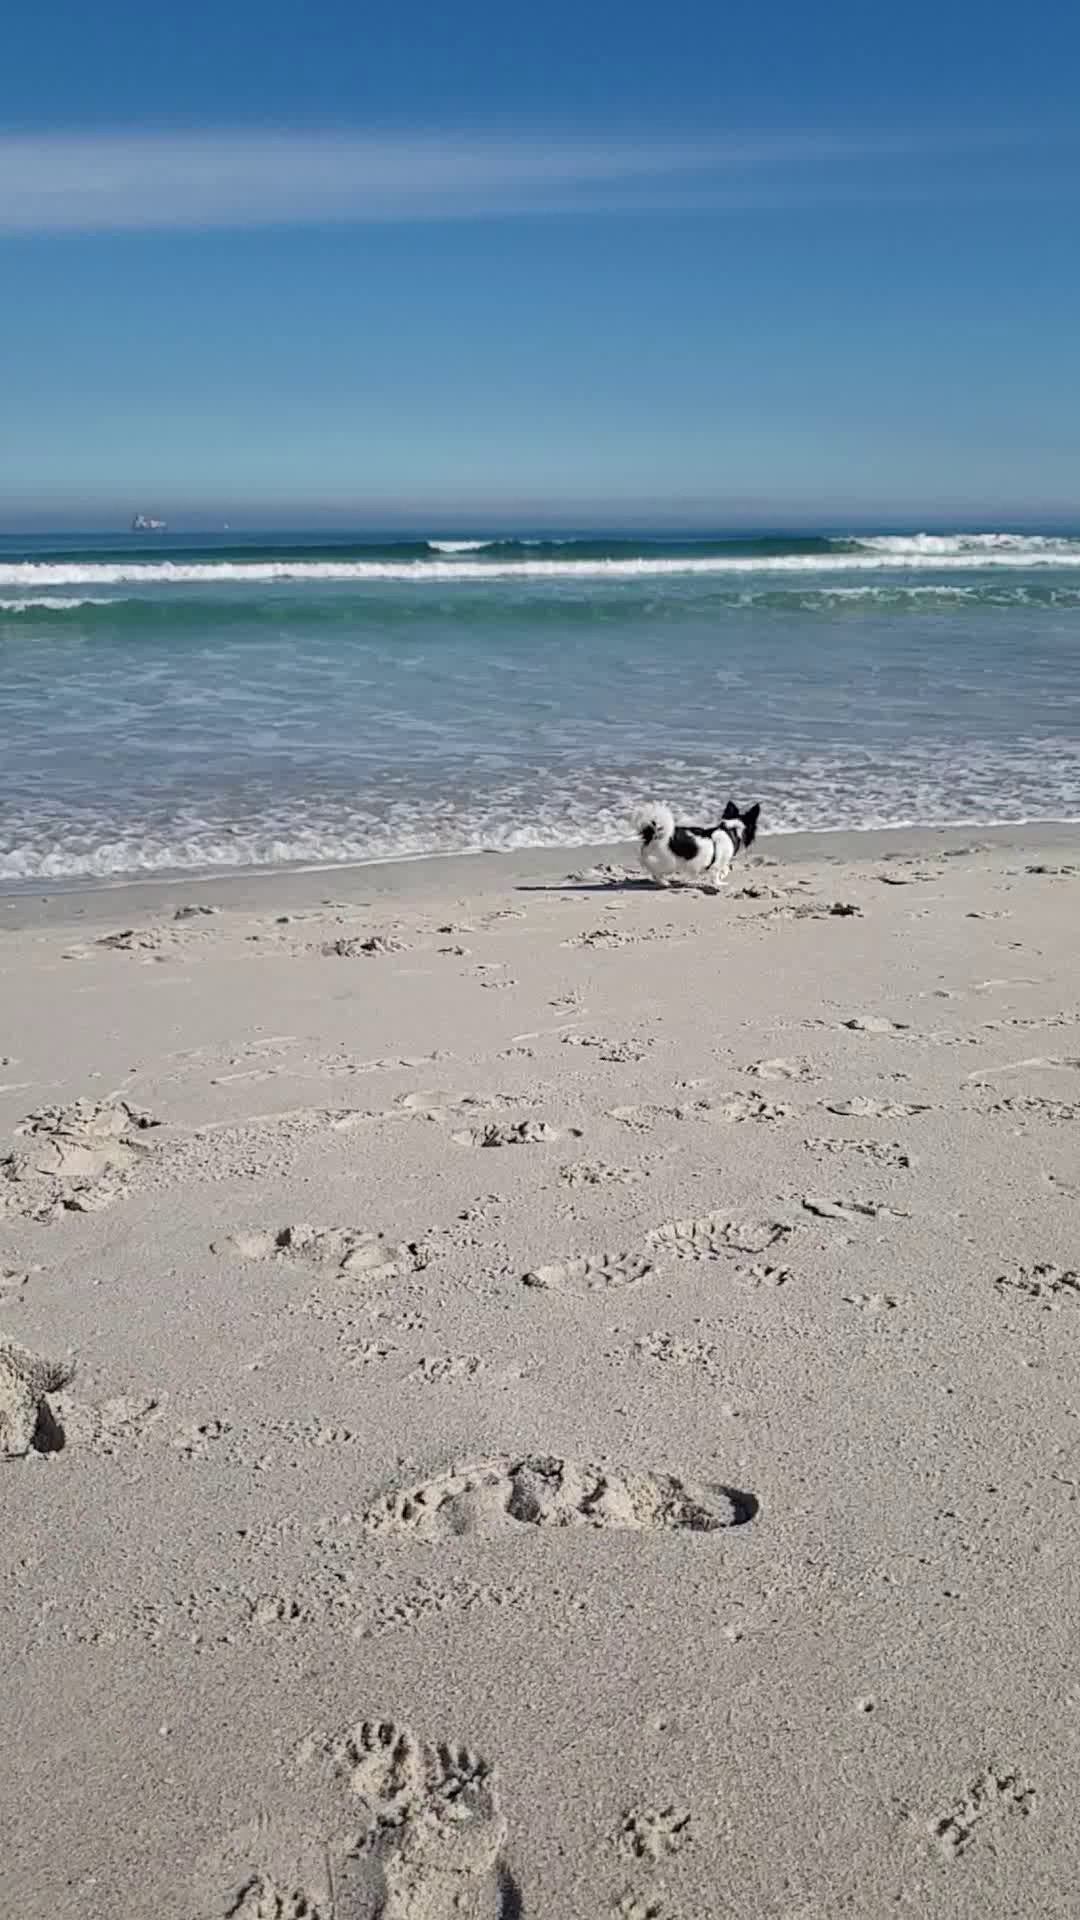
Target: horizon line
435	525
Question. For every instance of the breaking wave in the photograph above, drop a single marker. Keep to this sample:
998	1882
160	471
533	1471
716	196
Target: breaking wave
444	562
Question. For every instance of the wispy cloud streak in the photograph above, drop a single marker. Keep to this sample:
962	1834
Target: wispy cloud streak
232	179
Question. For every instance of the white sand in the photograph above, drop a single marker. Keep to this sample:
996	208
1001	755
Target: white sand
576	1408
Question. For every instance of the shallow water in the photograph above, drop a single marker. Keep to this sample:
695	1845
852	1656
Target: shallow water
190	704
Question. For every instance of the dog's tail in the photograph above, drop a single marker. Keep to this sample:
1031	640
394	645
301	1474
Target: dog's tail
747	822
654	821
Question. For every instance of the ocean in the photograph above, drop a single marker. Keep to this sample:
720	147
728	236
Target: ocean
186	704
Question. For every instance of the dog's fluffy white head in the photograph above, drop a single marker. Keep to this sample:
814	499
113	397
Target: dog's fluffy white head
654	821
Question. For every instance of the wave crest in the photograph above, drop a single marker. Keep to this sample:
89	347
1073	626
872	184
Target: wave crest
52	603
36	574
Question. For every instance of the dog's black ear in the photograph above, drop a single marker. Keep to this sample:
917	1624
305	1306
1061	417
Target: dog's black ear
731	811
750	823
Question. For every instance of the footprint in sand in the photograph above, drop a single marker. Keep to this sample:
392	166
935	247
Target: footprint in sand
411	1831
440	1103
884	1153
110	1426
361	1353
862	1108
669	1350
612	1052
349	1250
874	1023
440	1369
494	979
851	1209
742	1106
198	1441
1016	1022
759	891
712	1237
998	1795
79	1158
606	875
812	910
396	1062
591	1274
368	948
482	1498
728	1110
638	1119
13	1279
596	1173
1030	1107
519	1133
432	1834
1034	1063
1051	1287
651	1833
425	1599
261	1898
781	1069
616	937
157	943
760	1274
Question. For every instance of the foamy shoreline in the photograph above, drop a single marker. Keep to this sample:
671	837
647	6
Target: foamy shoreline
575	1394
44	902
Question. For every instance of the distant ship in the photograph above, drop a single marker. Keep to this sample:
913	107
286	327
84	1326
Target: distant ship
142	523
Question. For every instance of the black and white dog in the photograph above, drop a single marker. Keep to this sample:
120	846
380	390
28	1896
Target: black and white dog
702	854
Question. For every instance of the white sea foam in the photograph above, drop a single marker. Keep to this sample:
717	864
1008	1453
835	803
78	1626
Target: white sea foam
459	546
130	855
933	546
953	559
111	832
51	603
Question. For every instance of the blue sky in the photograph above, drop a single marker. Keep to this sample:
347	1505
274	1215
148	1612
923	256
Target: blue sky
569	264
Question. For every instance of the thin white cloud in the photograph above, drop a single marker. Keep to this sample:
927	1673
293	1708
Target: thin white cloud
88	182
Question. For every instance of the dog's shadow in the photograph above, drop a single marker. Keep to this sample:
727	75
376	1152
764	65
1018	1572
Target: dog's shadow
630	885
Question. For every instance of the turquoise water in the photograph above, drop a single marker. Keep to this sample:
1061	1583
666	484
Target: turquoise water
188	704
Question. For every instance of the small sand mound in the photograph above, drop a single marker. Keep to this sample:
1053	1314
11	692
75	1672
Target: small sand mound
25	1379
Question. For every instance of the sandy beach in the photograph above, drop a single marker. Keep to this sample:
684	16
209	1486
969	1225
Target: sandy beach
574	1407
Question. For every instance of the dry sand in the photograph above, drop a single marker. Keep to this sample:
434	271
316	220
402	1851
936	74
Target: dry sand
576	1392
